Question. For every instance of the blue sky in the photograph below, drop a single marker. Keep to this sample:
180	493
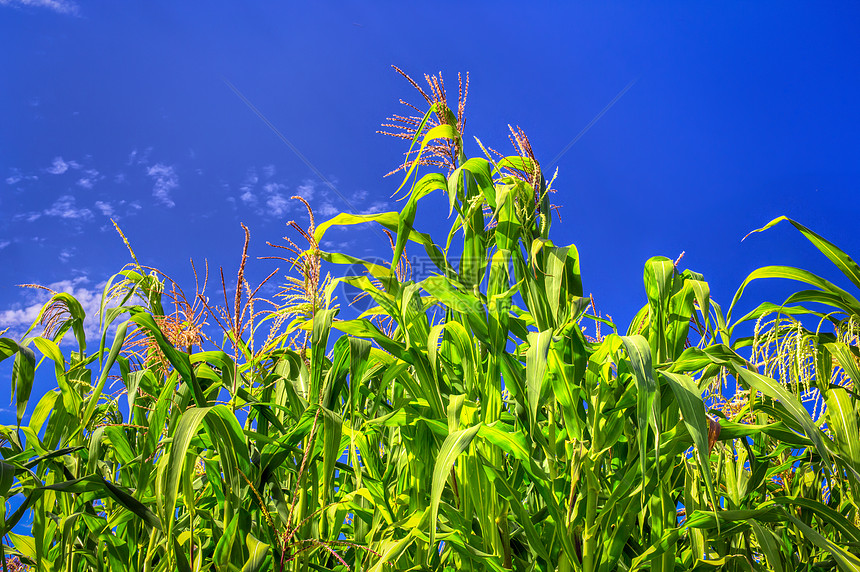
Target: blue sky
738	113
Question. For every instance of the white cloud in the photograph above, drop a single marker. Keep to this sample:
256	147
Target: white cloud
375	208
139	157
17	176
19	318
117	210
327	209
166	180
66	254
272	188
306	190
90	179
105	208
119	179
58	6
28	216
247	187
58	167
64	207
344	245
272	198
277	205
4	243
248	197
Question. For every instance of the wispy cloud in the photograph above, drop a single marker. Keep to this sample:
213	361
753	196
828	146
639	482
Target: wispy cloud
277	205
139	157
116	209
306	190
277	200
17	176
4	243
344	245
375	208
326	209
246	189
267	197
166	180
58	6
274	188
91	176
58	167
66	254
27	216
105	208
18	318
64	207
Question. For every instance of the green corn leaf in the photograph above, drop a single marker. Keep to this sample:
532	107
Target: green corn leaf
224	430
391	550
659	275
841	415
846	561
775	390
846	301
23	375
536	543
767	308
118	340
332	427
443	131
563	282
647	400
105	489
835	518
769	545
453	445
7	476
319	342
842	261
693	409
225	545
258	553
536	363
426	185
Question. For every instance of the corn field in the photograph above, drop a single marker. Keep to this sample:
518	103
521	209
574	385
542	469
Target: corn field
485	417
